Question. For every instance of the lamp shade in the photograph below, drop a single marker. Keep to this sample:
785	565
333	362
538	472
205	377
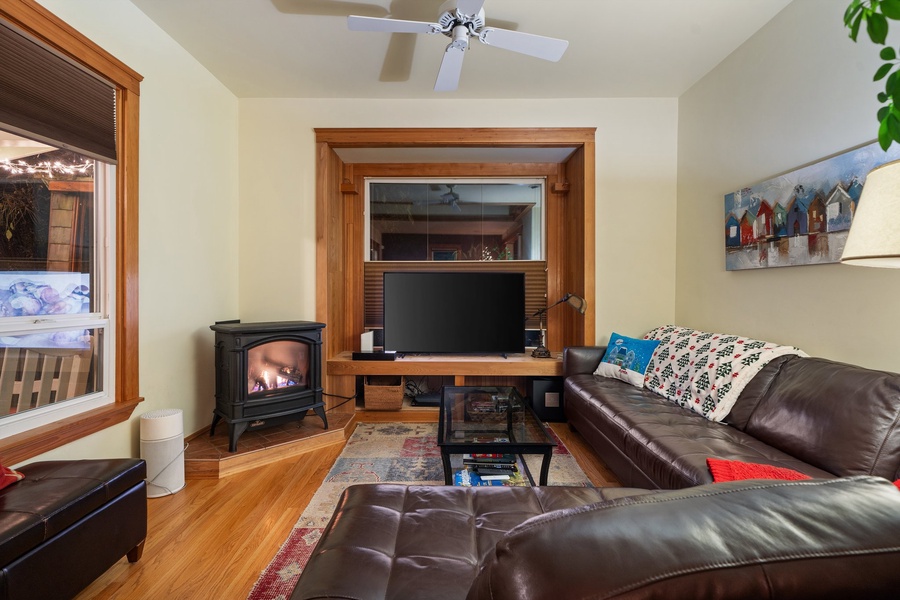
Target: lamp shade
577	302
874	239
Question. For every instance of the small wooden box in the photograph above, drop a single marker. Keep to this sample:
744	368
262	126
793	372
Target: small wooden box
383	392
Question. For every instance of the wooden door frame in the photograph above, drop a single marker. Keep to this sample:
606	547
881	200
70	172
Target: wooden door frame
571	262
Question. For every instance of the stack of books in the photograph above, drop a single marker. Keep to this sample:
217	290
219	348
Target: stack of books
492	467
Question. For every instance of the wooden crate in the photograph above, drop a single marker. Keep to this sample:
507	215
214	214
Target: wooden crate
383	392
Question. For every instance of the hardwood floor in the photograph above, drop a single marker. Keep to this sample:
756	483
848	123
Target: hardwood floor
214	538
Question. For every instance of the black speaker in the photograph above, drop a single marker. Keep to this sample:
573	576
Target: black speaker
546	397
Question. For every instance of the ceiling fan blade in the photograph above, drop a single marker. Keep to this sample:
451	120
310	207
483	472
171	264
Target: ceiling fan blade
451	69
537	46
469	7
358	23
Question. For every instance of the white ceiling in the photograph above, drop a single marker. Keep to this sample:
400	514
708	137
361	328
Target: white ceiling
303	49
13	146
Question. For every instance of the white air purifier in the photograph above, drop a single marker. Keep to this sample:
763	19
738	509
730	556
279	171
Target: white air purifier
162	446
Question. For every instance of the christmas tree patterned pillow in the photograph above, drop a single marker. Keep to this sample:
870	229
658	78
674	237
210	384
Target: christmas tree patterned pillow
706	372
626	359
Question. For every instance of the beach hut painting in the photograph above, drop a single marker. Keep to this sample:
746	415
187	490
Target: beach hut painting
801	217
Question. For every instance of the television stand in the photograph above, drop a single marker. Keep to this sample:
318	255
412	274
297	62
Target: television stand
458	366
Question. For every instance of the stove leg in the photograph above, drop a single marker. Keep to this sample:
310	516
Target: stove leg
234	432
212	428
320	410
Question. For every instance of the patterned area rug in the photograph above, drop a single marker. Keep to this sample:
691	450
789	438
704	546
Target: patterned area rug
378	453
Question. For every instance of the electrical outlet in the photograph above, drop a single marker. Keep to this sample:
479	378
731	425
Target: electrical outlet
551	400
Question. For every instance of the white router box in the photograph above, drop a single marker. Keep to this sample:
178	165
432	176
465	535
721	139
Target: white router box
367	341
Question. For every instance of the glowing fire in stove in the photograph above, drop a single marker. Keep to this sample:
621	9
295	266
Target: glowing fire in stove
265	381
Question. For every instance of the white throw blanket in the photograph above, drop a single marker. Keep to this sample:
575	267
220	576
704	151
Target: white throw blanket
706	372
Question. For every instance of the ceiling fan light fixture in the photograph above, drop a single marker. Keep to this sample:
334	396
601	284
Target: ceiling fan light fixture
460	38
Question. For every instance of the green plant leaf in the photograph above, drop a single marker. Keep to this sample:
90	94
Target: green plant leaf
854	27
882	71
877	28
891	83
882	97
851	12
891	9
893	124
884	137
888	53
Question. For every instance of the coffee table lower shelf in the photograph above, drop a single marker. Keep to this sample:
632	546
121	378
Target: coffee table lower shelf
502	448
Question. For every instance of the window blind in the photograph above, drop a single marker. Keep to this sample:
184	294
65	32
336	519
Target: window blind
46	97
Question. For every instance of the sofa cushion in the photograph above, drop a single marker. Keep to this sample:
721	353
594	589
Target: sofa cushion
423	541
626	359
54	495
754	392
668	443
811	539
841	418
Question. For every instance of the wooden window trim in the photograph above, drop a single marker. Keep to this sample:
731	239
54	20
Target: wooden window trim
46	27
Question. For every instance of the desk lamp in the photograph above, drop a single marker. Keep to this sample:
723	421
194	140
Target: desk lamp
576	302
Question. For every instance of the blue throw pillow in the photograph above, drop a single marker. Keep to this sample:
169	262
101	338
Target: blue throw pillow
627	359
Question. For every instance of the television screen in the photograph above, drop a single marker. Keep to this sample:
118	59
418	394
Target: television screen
442	312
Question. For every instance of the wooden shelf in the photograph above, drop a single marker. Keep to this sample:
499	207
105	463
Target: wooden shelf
521	365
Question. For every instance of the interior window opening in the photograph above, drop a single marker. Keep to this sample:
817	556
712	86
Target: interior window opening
455	220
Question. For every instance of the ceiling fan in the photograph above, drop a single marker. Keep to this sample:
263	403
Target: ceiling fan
460	20
449	198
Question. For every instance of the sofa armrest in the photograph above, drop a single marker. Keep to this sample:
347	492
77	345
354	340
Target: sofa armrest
743	539
578	360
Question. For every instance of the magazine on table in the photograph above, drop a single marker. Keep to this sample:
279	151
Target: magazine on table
467	478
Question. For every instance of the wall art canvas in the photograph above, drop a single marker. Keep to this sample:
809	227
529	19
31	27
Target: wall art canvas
802	217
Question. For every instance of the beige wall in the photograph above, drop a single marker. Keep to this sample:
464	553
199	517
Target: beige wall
188	217
636	162
797	91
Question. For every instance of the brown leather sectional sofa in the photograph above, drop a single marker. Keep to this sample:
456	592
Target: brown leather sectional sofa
830	537
820	417
797	540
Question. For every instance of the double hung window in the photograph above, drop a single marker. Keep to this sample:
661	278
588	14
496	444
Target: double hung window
58	199
55	307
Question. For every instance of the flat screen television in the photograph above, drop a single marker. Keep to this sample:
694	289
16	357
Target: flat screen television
450	312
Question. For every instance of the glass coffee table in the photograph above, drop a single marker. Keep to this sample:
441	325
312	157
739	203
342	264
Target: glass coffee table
488	420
